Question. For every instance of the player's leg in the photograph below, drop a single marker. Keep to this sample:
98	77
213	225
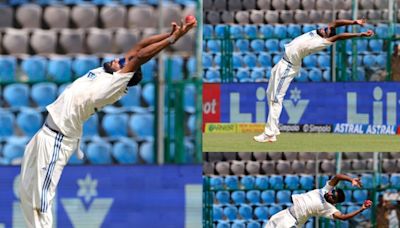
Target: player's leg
282	219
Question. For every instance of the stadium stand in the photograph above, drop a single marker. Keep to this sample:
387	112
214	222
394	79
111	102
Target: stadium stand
45	45
253	196
262	27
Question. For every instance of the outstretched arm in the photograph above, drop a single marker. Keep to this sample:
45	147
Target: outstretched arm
138	57
344	22
345	36
341	177
339	215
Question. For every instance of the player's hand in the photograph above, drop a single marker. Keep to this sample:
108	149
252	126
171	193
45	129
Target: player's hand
367	204
174	27
361	21
368	33
356	182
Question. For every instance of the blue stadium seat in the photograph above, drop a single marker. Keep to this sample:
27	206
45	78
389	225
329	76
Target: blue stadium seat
268	196
176	67
208	31
13	150
246	212
148	70
298	191
237	60
216	182
131	100
191	124
148	93
250	60
222	197
99	152
219	30
83	64
293	30
238	197
214	46
315	74
253	224
382	30
17	2
306	182
232	182
238	224
217	60
261	212
35	68
142	125
257	45
352	208
292	182
223	224
243	74
381	60
250	31
303	76
283	196
360	195
230	212
324	61
308	27
242	45
361	74
274	209
272	45
146	152
395	180
280	31
8	65
376	45
282	43
348	197
217	212
16	95
74	160
310	61
276	182
190	98
29	121
62	87
247	182
362	46
212	75
261	182
257	74
322	180
326	75
276	58
6	124
207	60
44	93
359	60
59	69
253	196
383	179
115	125
265	59
90	127
236	31
191	65
267	30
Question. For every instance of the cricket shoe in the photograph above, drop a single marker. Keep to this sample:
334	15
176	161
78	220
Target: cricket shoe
264	138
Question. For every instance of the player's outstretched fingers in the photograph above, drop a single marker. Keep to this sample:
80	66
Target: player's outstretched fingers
367	204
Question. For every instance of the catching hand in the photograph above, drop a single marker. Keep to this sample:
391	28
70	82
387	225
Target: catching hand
361	21
368	33
367	204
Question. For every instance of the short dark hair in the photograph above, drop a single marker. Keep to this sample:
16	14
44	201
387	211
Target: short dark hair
136	78
107	67
340	195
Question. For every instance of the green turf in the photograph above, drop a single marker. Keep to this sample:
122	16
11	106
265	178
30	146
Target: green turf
301	142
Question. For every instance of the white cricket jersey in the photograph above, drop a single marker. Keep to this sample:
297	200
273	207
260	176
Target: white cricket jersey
313	203
304	45
84	97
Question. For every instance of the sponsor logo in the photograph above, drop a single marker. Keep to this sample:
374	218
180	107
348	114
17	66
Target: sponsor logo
317	128
220	128
365	129
289	128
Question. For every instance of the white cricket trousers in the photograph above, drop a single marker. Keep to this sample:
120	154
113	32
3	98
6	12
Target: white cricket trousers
282	219
44	159
281	76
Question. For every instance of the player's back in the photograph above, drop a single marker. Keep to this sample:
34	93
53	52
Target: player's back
84	97
307	204
304	45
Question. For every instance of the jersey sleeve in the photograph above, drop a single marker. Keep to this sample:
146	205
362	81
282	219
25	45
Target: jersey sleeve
327	187
328	211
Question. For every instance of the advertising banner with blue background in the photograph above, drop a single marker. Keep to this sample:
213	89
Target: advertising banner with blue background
315	103
115	196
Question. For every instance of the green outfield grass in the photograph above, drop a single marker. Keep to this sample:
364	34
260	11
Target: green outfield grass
301	142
